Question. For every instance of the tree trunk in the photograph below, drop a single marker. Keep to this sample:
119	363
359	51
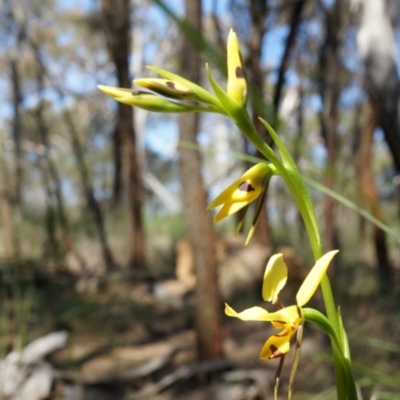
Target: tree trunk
116	16
295	19
8	225
367	184
377	47
330	66
91	201
201	235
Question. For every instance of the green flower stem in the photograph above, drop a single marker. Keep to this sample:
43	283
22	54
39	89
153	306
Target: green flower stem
345	382
287	169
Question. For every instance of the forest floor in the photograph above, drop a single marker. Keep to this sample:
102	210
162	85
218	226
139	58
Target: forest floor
131	340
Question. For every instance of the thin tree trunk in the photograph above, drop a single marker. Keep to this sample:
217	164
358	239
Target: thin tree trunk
17	100
116	16
377	47
201	235
295	19
367	184
6	210
331	66
13	192
91	202
51	176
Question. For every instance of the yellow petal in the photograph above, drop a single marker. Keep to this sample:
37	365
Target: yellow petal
237	86
115	92
277	345
251	314
275	278
288	316
247	188
314	278
229	209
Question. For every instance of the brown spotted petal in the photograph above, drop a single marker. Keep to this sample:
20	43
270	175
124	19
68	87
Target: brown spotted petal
165	87
277	345
242	192
237	86
288	320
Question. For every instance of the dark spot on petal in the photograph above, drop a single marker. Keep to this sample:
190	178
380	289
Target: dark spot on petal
246	187
239	72
274	351
171	84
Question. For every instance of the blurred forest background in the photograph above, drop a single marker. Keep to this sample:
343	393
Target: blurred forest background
103	222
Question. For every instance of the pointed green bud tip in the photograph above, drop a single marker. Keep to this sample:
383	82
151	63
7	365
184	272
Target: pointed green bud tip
237	85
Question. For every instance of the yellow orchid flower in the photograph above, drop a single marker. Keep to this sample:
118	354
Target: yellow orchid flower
242	192
286	319
237	86
251	185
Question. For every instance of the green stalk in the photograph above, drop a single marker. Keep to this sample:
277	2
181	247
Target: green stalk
346	388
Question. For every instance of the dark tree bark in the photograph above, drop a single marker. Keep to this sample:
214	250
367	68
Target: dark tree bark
294	23
116	16
330	67
17	100
201	235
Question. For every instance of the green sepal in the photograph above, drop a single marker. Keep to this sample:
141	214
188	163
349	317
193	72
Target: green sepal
260	208
199	93
242	216
233	108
